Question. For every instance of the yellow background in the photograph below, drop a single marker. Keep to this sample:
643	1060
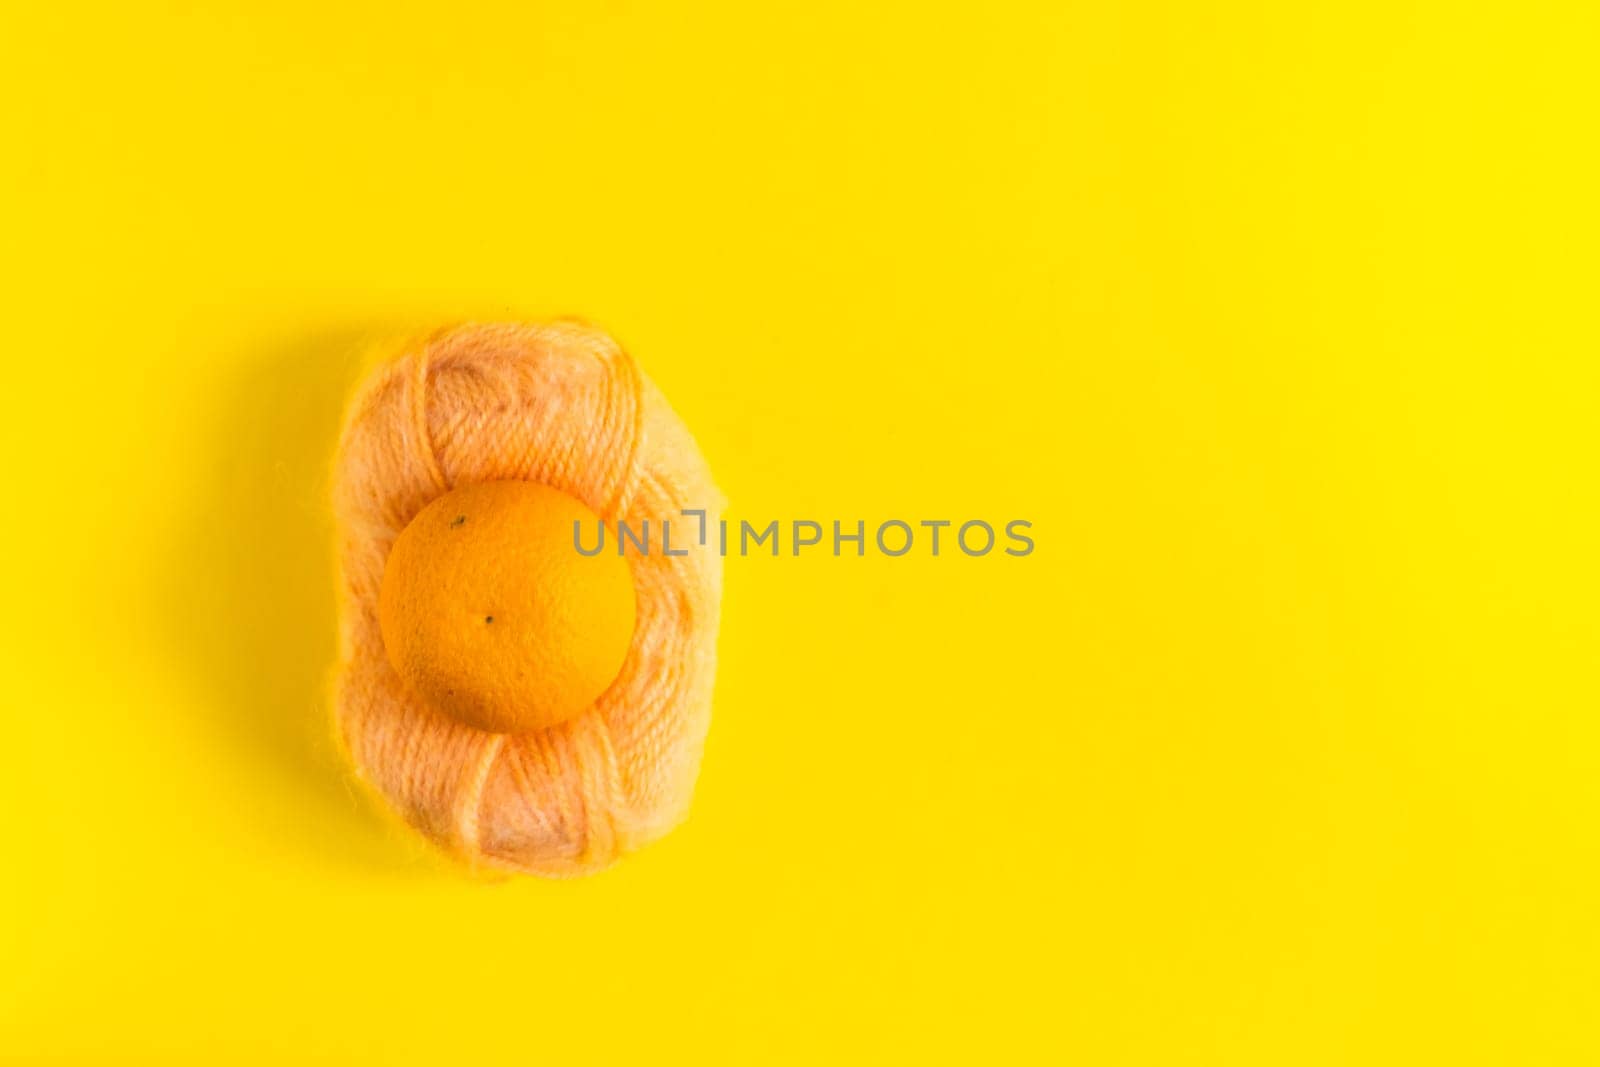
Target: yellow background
1276	320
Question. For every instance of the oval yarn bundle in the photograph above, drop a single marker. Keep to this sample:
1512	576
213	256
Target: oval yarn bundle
560	404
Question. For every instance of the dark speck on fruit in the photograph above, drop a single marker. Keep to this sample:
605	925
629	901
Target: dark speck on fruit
457	521
488	618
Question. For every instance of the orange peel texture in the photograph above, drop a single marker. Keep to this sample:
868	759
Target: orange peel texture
490	613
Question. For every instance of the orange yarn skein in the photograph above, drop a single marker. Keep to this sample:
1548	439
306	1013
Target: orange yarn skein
562	405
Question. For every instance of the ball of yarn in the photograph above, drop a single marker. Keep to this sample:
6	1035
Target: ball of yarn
559	404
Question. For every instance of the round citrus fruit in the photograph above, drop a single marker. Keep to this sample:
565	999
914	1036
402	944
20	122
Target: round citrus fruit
491	614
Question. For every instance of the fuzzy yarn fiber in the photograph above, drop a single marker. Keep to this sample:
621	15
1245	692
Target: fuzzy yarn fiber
558	403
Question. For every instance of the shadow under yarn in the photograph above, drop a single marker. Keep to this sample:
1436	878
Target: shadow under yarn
253	606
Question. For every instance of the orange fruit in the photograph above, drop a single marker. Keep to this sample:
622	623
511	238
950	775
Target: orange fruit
491	614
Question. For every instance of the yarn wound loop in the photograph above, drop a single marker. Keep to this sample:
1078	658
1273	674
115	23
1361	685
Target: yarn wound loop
577	781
